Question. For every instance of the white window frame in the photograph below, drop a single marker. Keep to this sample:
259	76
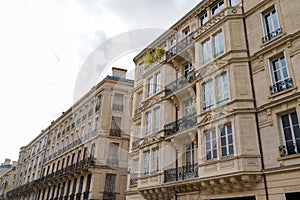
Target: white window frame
156	119
226	140
206	51
155	161
157	80
150	87
211	145
233	3
208	95
292	127
219	7
148	123
276	30
188	107
203	18
218	44
146	163
222	89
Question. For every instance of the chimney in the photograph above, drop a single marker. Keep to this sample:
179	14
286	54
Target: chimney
118	72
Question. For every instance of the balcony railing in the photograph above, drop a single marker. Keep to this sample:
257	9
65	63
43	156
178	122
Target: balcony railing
179	83
108	195
181	173
282	85
115	132
271	35
289	149
179	46
180	125
117	107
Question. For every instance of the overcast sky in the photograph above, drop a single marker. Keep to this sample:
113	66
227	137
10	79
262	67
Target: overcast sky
43	45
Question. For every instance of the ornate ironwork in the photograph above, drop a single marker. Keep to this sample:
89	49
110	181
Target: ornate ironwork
179	46
181	173
271	35
180	125
282	85
179	83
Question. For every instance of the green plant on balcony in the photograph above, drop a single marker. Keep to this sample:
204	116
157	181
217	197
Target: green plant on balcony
154	56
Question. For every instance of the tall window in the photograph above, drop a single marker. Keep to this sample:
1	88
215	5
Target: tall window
188	68
222	89
203	19
291	132
208	95
118	102
226	140
140	99
211	145
218	44
148	123
110	187
95	123
279	74
189	154
271	26
116	126
206	51
141	70
113	154
217	8
150	87
156	123
88	183
188	107
157	82
155	157
93	150
98	104
233	2
146	163
136	168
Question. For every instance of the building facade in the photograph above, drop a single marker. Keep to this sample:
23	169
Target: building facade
83	153
6	178
216	105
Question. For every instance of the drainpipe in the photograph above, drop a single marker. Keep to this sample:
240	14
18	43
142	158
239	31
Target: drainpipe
255	105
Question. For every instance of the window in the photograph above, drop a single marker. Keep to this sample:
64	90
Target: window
140	99
155	157
218	44
188	68
188	107
146	163
172	40
136	168
93	150
291	133
88	183
150	87
203	19
279	74
98	104
222	89
226	141
89	127
141	70
113	154
156	124
186	32
233	2
208	95
157	82
82	131
189	154
148	123
116	126
95	123
206	51
118	102
110	187
211	145
217	8
270	23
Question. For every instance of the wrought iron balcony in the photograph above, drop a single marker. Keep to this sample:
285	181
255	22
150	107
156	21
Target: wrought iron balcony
109	195
289	149
117	107
179	46
179	83
115	132
280	86
181	173
271	35
180	125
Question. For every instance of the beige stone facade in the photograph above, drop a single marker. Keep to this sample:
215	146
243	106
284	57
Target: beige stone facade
6	179
83	154
215	105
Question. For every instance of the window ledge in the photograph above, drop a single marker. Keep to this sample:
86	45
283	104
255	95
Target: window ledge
293	156
272	40
294	88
